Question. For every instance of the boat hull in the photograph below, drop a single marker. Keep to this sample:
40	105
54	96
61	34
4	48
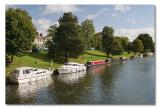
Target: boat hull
66	71
32	79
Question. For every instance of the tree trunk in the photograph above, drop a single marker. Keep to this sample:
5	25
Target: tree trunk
11	58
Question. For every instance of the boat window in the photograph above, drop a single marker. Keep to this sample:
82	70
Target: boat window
38	72
16	71
35	69
44	71
26	71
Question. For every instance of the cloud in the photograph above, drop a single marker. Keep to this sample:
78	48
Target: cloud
122	8
114	14
132	21
133	33
100	12
49	9
43	25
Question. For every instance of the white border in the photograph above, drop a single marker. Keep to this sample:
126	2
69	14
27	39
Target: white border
132	2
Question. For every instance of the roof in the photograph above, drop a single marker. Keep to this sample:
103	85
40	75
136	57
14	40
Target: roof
23	68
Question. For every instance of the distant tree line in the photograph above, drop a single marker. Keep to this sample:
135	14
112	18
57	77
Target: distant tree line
70	38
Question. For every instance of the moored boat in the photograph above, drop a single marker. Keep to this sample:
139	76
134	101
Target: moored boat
96	63
29	74
139	55
71	67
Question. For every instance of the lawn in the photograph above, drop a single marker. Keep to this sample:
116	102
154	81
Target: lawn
40	60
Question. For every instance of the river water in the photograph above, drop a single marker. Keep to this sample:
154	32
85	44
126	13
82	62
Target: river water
130	82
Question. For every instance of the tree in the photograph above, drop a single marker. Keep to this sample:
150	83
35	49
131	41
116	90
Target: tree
51	33
117	48
147	41
107	39
88	31
130	47
124	41
20	31
138	45
68	40
97	41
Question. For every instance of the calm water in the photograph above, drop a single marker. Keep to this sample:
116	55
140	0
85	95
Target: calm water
130	82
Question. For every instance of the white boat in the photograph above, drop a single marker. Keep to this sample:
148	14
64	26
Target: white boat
29	74
150	54
139	55
71	67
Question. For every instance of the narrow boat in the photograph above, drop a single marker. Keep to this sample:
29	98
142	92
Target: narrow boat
96	63
29	74
71	67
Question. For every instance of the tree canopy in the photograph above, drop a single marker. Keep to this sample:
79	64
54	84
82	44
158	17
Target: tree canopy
138	45
107	39
68	40
117	48
147	41
20	31
88	31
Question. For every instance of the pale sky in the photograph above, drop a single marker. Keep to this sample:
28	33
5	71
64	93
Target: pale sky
126	20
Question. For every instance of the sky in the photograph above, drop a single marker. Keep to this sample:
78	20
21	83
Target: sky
126	20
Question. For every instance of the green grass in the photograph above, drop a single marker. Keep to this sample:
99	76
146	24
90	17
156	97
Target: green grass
31	59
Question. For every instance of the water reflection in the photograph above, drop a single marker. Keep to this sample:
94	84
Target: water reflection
71	78
130	82
27	93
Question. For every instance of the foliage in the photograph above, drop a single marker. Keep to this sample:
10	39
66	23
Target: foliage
107	39
147	41
68	40
138	45
20	31
88	31
130	47
125	42
117	48
34	48
97	41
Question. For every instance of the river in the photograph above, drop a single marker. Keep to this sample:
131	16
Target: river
129	82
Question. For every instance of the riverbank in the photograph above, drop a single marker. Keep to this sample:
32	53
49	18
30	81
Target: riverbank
40	60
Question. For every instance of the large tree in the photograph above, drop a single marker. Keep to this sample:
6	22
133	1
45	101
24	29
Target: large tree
88	31
125	42
138	45
147	41
107	39
117	48
97	41
51	32
20	31
69	38
130	47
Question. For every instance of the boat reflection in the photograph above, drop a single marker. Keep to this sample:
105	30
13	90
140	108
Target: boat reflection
98	69
27	90
71	77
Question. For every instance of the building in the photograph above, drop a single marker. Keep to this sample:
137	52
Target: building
40	41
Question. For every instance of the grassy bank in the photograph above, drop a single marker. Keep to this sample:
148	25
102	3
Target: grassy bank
40	60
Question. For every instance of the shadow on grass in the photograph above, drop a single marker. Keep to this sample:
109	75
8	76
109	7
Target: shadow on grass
43	57
92	54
